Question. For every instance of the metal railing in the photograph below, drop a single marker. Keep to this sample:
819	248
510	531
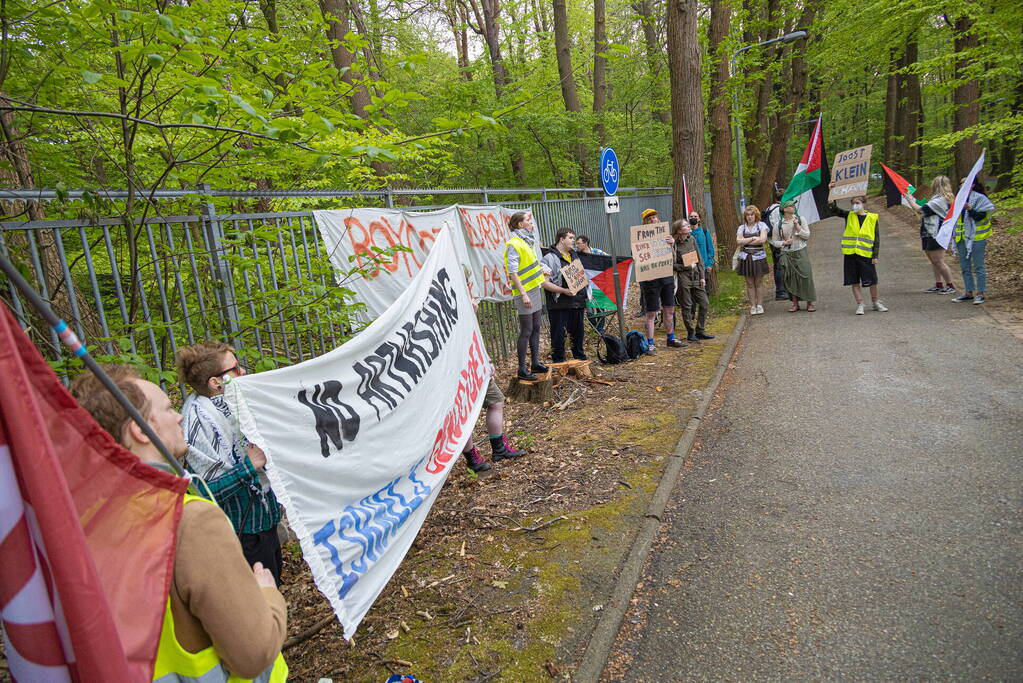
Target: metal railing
138	289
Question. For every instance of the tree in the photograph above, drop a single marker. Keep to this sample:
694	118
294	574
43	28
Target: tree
563	50
687	132
966	96
722	178
599	67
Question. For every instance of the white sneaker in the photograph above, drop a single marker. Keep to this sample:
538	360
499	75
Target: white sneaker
878	306
752	310
859	309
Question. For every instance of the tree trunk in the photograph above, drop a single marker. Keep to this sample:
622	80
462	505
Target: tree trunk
722	178
794	99
891	107
966	99
648	22
757	130
908	126
687	133
599	67
563	50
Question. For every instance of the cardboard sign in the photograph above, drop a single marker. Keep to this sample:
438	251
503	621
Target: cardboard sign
690	258
575	276
653	256
851	173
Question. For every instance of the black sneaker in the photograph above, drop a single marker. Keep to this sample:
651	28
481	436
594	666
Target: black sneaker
704	335
947	290
962	298
692	337
526	375
934	290
677	344
539	367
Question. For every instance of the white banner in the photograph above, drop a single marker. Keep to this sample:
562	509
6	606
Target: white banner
949	224
359	441
352	235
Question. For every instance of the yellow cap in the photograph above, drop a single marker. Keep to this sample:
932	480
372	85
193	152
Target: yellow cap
648	212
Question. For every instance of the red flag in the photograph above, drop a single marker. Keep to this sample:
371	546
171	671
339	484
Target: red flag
685	191
87	533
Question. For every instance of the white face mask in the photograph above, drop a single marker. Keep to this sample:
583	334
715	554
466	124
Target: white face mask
857	207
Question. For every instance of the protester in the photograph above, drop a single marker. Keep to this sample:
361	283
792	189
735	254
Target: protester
791	238
565	312
659	294
692	282
861	245
527	277
751	236
582	244
772	216
972	230
493	404
220	454
932	214
704	241
222	619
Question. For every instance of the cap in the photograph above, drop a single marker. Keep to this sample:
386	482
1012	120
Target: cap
648	212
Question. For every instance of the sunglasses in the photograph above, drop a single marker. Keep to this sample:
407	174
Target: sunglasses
237	367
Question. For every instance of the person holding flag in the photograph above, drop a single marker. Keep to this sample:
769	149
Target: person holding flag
932	214
972	230
790	239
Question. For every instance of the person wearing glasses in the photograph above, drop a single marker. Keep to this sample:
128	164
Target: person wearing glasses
220	454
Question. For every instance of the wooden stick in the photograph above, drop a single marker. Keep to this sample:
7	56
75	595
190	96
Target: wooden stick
309	632
530	529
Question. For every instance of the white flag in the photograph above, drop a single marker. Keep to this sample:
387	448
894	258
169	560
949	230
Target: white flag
948	225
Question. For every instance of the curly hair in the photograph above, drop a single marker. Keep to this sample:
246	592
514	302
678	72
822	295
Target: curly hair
754	209
198	362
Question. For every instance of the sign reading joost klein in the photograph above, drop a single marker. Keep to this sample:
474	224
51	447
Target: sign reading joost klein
851	173
653	255
609	171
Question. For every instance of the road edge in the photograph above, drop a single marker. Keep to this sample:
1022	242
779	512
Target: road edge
604	634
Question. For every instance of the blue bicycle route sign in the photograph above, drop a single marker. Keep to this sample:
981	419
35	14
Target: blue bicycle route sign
609	174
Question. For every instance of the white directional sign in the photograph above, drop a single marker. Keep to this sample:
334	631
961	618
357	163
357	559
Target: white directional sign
611	205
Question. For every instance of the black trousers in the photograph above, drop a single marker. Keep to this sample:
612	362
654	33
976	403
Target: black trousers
779	276
264	547
570	320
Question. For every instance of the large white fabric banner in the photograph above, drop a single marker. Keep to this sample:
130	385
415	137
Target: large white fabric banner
359	441
354	236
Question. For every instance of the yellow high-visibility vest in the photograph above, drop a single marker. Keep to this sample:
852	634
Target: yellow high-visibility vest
530	273
175	664
982	231
859	239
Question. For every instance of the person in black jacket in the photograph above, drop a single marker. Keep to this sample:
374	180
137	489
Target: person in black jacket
565	312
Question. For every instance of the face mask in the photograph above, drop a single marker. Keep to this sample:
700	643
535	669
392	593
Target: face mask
694	221
857	207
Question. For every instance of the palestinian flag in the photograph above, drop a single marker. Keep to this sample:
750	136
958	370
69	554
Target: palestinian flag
808	186
685	192
897	190
602	284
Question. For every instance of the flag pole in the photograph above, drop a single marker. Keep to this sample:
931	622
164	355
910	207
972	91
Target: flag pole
76	347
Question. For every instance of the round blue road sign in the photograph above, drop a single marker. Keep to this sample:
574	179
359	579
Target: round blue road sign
609	174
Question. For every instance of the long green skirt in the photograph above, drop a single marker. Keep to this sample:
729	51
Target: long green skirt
798	274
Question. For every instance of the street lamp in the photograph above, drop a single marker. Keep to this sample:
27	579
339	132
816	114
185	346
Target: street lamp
787	38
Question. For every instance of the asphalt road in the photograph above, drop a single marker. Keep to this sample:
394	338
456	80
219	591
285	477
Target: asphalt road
855	510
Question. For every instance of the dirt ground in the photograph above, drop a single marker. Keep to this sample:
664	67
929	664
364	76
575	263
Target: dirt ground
507	576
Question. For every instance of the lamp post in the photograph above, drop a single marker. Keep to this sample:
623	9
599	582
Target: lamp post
787	38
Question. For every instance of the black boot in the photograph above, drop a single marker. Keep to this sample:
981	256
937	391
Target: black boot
475	461
502	449
525	374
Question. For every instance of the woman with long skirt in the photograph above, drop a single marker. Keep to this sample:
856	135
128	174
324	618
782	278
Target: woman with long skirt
792	238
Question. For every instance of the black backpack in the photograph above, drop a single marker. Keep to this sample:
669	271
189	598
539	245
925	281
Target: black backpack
635	344
614	350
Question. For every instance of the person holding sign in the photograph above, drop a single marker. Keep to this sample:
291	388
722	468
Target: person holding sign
861	245
751	237
972	230
659	293
692	283
566	310
790	239
527	277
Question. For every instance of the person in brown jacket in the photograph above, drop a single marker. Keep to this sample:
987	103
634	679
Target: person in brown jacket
691	277
215	598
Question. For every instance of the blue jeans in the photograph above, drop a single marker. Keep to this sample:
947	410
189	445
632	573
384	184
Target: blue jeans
973	265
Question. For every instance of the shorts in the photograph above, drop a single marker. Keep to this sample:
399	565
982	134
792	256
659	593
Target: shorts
928	243
858	270
494	395
657	294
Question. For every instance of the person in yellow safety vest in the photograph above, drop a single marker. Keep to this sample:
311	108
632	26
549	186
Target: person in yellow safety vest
527	277
972	230
224	622
861	245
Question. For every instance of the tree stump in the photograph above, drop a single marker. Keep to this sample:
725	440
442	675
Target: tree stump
531	391
571	368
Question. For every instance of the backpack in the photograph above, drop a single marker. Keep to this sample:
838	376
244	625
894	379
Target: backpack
636	344
614	350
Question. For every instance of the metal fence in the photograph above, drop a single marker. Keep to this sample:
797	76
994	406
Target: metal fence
137	289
